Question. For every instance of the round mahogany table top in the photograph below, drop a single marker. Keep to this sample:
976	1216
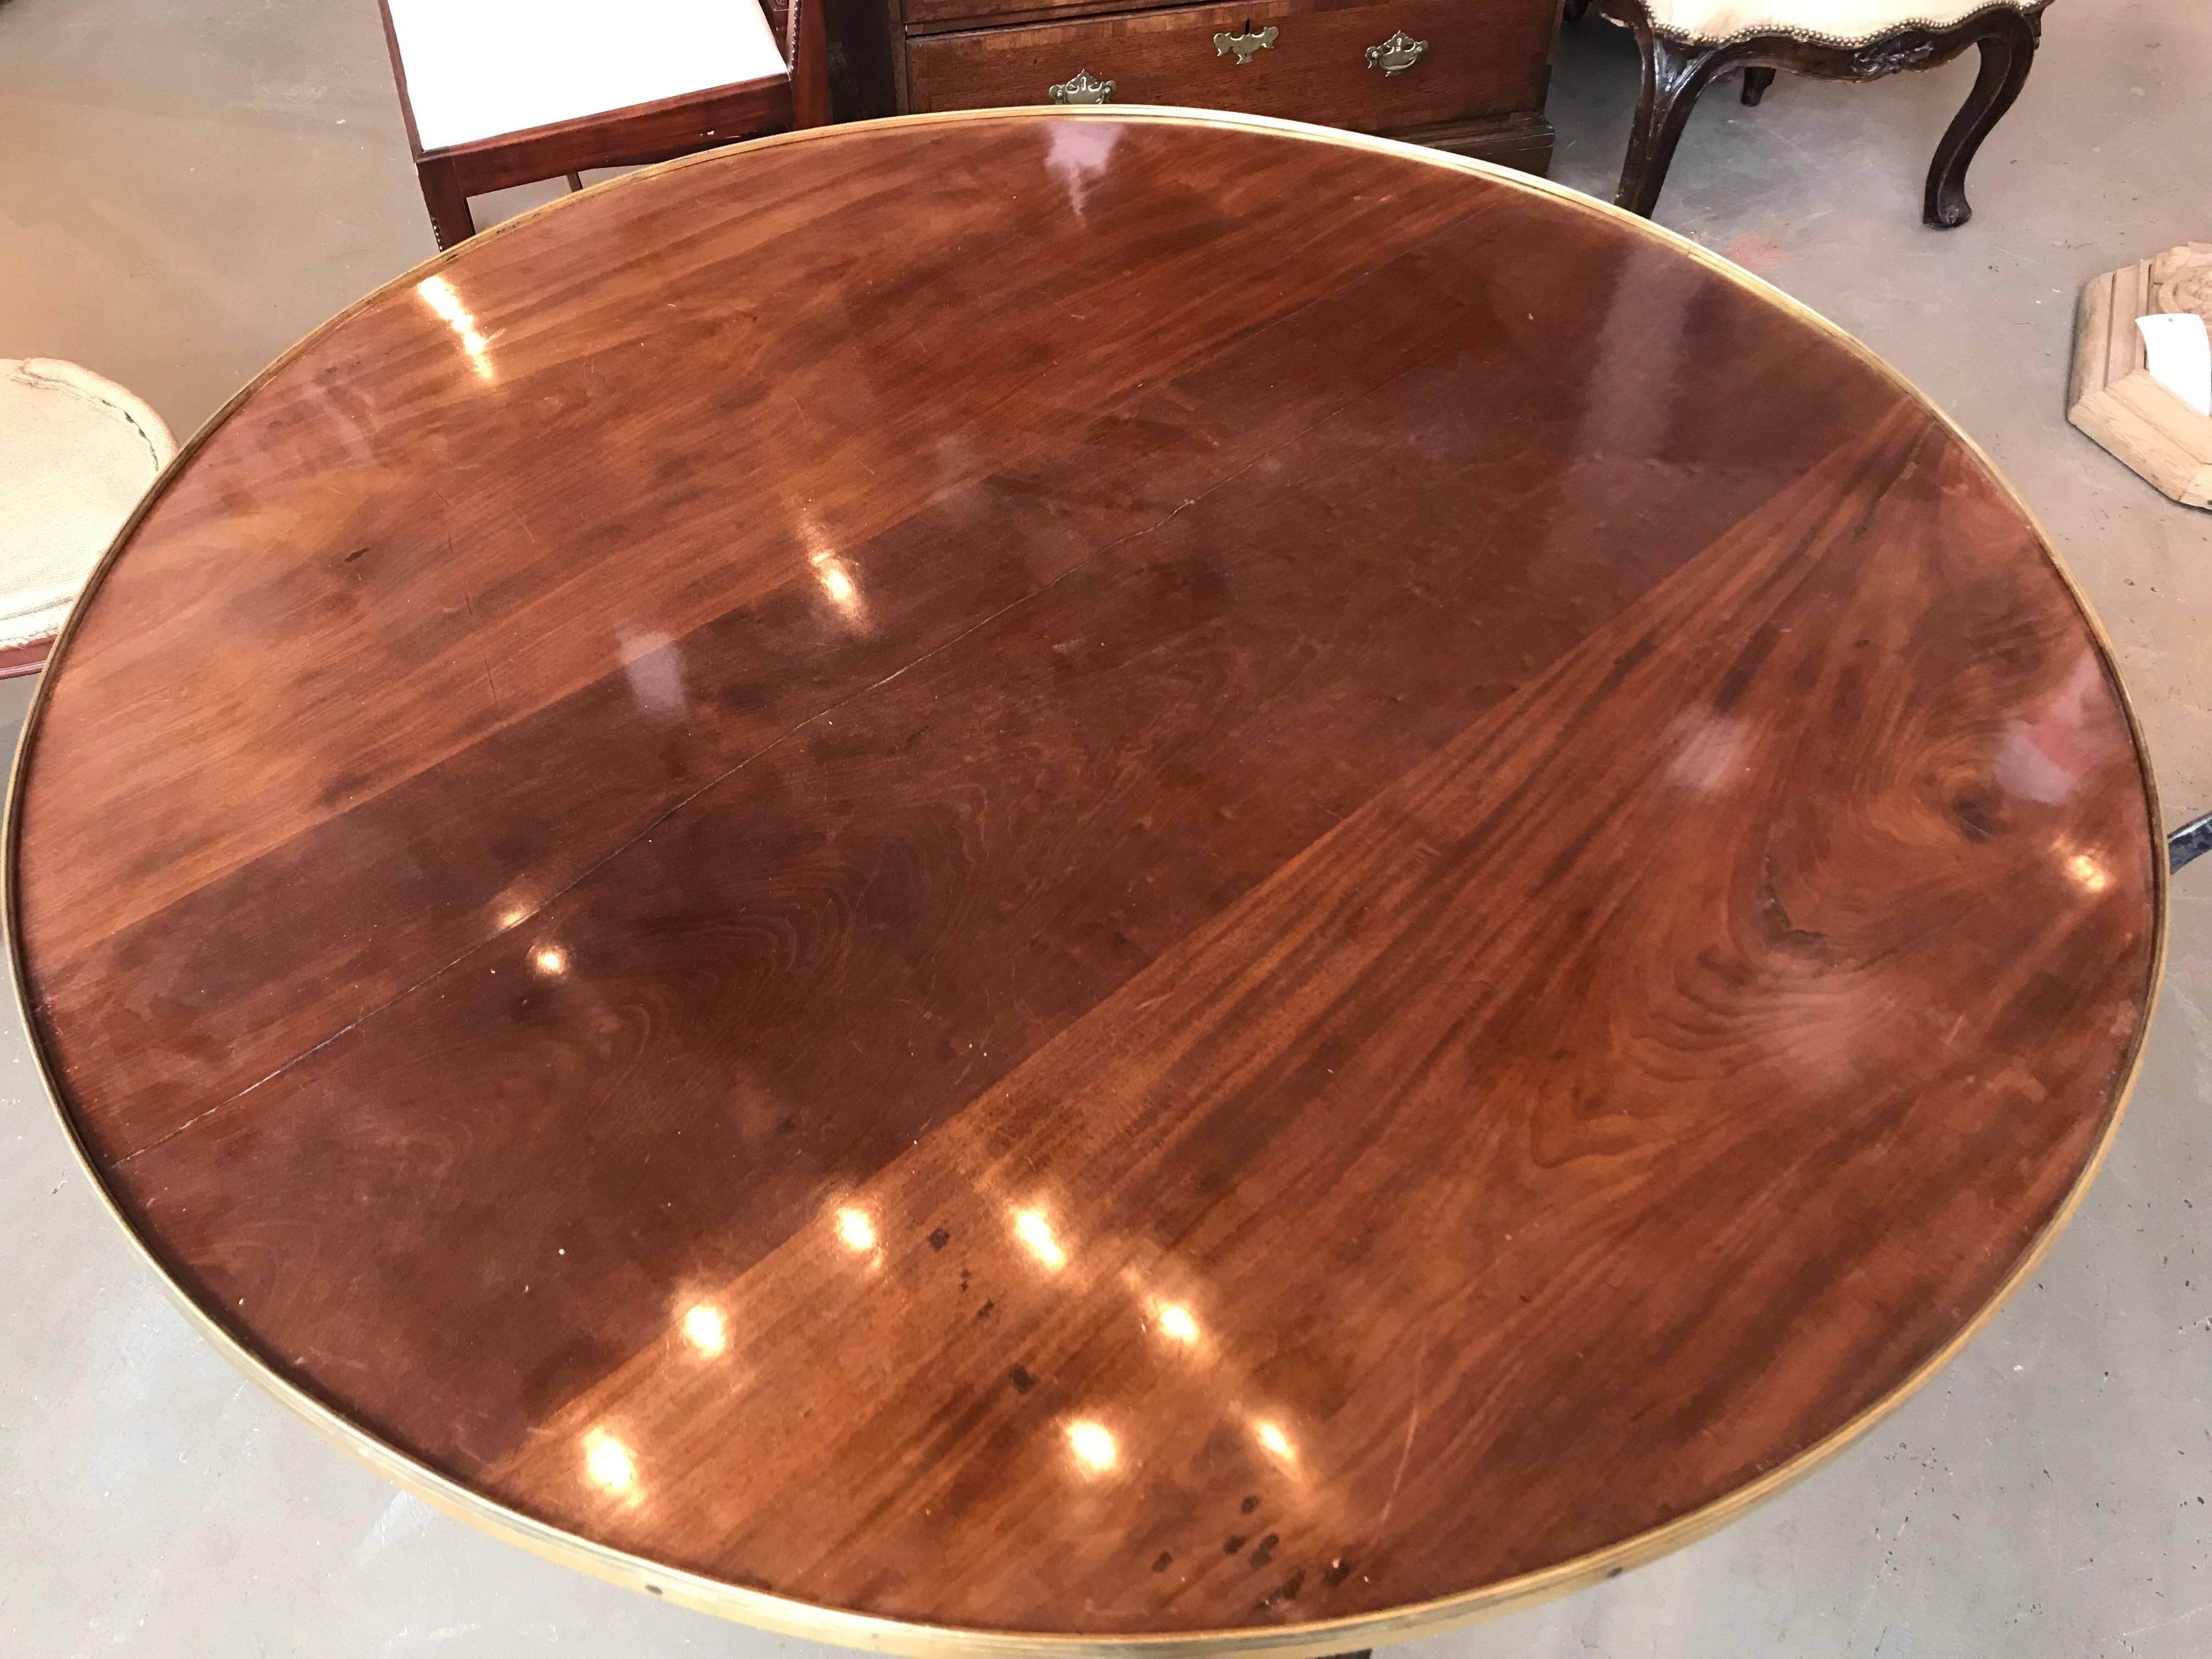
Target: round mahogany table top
1064	877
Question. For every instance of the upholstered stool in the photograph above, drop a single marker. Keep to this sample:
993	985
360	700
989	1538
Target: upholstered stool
1687	43
76	453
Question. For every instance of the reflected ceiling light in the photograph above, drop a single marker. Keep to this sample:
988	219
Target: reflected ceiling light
513	916
858	1232
1275	1441
551	959
1175	1322
2087	871
837	582
608	1462
1093	1446
438	294
703	1326
1036	1234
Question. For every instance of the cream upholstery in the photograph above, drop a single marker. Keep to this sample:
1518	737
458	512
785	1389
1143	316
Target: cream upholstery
76	453
1834	23
482	69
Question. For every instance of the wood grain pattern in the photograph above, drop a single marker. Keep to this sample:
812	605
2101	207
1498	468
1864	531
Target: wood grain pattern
1115	876
922	16
1522	141
1478	90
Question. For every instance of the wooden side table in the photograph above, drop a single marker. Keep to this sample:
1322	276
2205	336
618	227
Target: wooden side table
495	95
1466	75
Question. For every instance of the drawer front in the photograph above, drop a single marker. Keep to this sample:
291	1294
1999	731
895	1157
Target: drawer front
1377	68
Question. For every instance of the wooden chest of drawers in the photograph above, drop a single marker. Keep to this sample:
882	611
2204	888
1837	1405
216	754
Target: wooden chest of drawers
1464	74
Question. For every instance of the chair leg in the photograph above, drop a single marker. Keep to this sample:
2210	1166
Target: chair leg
1674	73
450	221
810	65
2007	53
1755	83
1575	9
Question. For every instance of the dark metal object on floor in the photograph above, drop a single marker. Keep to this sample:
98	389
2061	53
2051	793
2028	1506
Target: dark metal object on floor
2185	843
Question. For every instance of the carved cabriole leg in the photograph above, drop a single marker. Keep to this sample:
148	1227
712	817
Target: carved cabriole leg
1755	83
1674	73
2007	51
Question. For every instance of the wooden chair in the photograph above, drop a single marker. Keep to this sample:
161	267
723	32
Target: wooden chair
497	94
1688	43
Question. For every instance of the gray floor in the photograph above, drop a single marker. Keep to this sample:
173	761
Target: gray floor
186	186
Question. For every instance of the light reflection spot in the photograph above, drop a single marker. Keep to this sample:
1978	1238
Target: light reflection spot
1093	1445
2087	871
438	294
1036	1234
1175	1322
704	1328
1276	1442
551	959
854	1228
608	1462
838	585
833	572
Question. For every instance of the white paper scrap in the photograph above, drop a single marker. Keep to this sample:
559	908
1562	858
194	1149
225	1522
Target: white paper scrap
2178	346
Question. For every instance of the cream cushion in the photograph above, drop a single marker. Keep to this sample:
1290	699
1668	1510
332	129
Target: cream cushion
482	68
76	453
1836	22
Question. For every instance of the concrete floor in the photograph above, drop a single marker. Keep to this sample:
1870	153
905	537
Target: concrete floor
185	185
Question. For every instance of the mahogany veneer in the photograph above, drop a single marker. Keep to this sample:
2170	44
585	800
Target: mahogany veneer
1086	875
1466	76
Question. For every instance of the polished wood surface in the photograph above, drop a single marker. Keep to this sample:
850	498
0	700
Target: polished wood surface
1089	874
1476	88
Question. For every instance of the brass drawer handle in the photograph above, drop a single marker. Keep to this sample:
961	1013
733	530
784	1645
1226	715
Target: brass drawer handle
1397	54
1246	46
1081	89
